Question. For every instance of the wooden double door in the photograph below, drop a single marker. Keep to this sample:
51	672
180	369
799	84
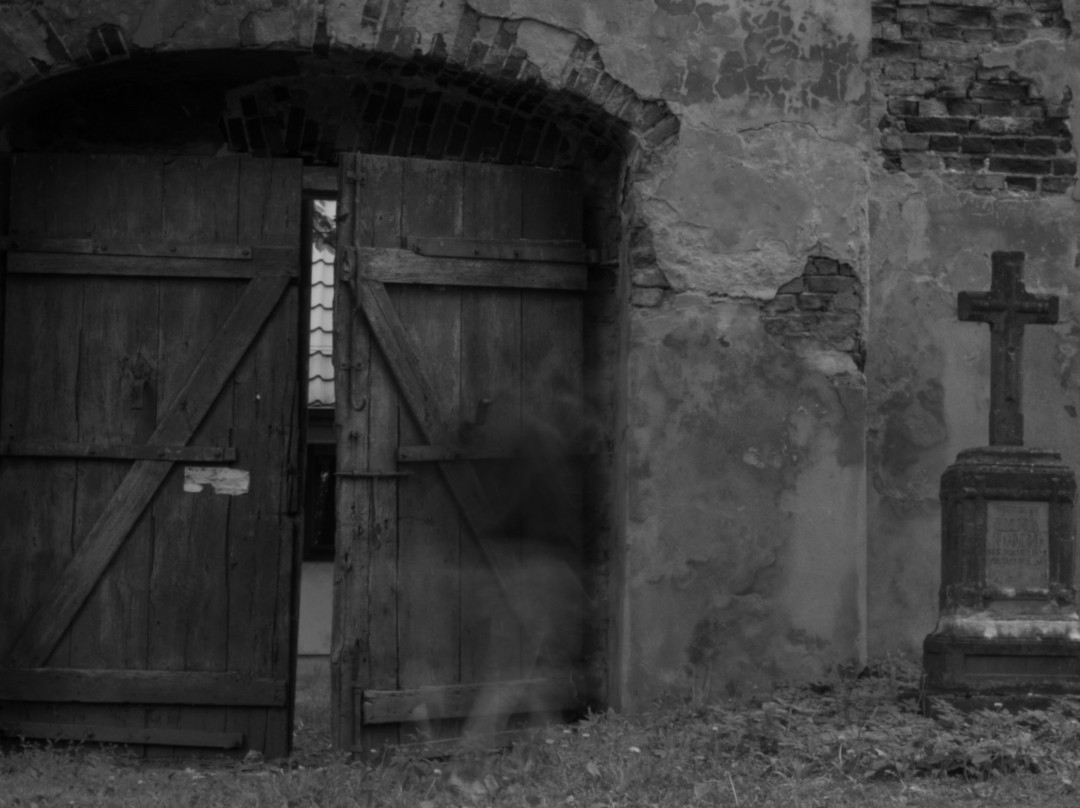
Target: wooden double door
459	600
149	422
149	449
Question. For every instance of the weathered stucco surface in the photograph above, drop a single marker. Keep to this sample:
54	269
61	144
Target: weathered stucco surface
929	379
745	503
745	548
929	384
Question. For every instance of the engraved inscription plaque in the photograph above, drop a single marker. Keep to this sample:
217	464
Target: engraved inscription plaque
1018	544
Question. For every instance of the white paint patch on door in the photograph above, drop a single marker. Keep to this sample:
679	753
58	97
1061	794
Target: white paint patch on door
231	482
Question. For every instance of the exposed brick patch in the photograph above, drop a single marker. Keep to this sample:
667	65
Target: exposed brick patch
649	285
985	129
823	304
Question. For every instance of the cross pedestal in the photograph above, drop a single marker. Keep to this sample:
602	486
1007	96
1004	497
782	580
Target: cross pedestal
1008	619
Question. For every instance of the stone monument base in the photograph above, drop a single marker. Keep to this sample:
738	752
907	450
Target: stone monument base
1008	621
1001	666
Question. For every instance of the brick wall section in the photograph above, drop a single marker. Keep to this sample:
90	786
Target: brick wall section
981	128
823	304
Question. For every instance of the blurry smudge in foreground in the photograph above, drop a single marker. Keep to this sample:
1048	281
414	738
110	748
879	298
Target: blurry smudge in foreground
525	590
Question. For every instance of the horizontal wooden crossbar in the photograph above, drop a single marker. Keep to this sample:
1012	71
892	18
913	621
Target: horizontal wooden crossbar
265	262
460	701
439	454
140	687
390	265
552	252
92	451
450	452
152	249
106	734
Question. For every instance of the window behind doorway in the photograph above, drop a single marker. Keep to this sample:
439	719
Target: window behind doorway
321	460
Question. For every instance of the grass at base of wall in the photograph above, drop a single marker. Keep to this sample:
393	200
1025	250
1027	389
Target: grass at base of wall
847	741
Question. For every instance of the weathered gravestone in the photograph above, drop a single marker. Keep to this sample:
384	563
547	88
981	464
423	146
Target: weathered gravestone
1008	621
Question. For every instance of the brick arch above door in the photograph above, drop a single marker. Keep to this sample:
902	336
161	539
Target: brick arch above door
525	66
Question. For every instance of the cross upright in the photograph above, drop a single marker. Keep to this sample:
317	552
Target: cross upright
1007	308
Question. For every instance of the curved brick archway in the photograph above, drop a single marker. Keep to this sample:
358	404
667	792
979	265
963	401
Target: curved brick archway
380	86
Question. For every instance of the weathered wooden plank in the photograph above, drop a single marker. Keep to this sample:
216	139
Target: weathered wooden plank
38	496
106	245
266	427
461	701
190	567
118	451
429	542
92	733
267	261
406	267
5	226
63	600
429	524
41	365
115	404
491	372
550	499
141	687
351	614
379	187
509	249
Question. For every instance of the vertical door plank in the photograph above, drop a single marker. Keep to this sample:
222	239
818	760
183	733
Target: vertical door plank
553	365
491	370
5	229
191	529
349	634
552	208
265	432
383	194
39	495
429	520
365	641
116	404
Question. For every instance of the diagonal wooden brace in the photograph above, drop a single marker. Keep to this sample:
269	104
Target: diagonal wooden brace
177	425
389	332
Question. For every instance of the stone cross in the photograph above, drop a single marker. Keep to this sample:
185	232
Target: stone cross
1007	307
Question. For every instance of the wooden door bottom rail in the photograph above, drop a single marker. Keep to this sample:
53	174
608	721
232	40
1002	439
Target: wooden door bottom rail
95	733
460	701
226	689
488	742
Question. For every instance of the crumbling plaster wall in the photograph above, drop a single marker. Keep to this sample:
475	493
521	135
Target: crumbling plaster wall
743	522
1002	178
